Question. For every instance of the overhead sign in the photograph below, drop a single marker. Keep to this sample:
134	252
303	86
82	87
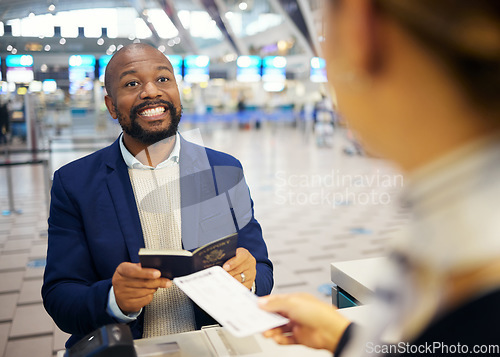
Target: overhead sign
19	68
81	73
103	63
274	69
19	61
82	61
49	86
248	69
19	74
196	69
176	61
318	70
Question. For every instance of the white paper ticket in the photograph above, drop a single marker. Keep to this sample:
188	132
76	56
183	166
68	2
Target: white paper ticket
228	302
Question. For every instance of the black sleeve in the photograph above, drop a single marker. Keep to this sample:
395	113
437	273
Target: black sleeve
344	340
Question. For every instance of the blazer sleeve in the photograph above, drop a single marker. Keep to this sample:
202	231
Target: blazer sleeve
250	237
73	293
232	182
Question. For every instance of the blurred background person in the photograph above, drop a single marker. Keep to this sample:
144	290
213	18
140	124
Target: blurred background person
418	81
4	123
324	122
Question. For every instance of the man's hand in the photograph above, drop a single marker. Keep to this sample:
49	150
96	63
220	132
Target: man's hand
245	263
134	286
312	322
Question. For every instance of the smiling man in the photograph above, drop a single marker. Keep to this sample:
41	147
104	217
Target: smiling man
151	188
143	96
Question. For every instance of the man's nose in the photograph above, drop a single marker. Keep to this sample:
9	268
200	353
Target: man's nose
150	90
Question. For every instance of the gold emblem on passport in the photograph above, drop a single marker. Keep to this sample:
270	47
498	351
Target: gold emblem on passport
213	256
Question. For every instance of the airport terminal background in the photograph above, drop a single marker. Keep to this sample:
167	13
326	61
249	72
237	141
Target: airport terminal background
252	82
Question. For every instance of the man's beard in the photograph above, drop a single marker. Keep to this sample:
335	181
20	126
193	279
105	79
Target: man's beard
149	137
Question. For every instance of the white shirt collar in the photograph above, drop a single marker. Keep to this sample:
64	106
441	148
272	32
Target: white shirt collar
454	208
133	163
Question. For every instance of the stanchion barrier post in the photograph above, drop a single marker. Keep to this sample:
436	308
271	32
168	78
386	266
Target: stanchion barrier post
47	184
10	193
10	190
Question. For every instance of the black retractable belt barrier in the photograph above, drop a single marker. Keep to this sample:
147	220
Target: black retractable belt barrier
8	164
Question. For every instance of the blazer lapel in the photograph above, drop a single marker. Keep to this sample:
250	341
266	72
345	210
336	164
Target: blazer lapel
123	198
196	185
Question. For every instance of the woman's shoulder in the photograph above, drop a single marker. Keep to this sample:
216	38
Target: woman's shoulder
475	322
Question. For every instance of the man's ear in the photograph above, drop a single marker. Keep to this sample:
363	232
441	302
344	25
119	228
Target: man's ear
363	36
111	107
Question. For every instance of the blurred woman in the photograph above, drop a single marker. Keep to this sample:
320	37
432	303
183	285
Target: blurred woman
419	83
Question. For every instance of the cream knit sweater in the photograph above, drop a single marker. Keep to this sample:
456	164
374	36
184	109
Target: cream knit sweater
157	194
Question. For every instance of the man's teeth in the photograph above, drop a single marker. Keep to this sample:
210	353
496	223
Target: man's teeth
152	111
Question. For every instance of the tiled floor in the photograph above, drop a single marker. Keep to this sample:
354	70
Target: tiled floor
315	205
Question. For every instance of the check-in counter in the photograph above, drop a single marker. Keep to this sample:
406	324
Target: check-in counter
217	342
355	281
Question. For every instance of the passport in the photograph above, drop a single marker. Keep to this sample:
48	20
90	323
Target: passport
177	263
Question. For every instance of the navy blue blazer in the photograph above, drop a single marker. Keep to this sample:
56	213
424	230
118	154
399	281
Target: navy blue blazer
94	226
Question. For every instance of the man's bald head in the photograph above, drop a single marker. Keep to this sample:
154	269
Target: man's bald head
114	65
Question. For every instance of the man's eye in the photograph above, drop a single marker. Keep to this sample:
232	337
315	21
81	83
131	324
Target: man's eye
131	84
163	79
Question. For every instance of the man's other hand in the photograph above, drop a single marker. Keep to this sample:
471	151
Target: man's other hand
245	263
135	286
